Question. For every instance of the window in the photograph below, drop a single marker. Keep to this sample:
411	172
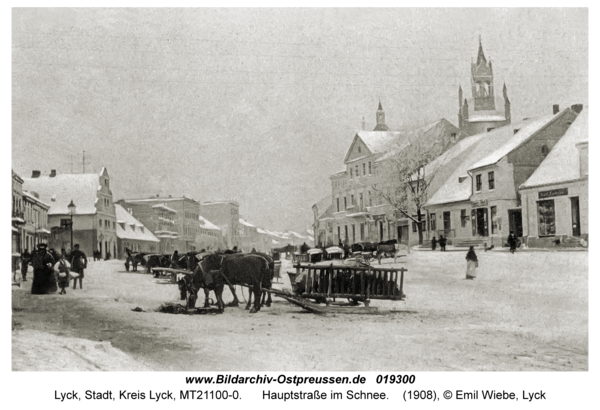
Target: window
114	225
353	233
545	151
351	200
356	169
491	183
362	231
361	201
432	222
546	220
493	211
370	199
350	172
463	218
100	223
369	167
364	169
345	202
339	237
453	136
338	204
478	183
359	149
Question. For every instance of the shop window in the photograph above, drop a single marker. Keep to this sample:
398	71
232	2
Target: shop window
478	183
546	218
493	211
491	182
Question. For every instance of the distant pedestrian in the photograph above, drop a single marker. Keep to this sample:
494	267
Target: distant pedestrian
433	243
25	259
78	264
472	264
512	242
62	269
175	260
442	242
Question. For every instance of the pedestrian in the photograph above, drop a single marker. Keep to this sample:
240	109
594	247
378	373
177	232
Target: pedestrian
472	264
175	259
44	281
512	242
25	259
62	270
78	264
442	242
433	243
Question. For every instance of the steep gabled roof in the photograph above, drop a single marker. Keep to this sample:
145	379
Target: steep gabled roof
58	192
455	183
375	141
130	228
562	163
516	140
206	224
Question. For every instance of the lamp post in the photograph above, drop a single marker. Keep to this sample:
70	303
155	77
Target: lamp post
72	209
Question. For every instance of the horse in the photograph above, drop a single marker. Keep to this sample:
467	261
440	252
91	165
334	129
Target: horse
217	269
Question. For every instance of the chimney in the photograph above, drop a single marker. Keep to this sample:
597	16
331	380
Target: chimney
35	174
555	109
577	108
52	173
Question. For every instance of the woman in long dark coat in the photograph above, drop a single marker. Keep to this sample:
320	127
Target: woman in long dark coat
44	280
472	264
433	243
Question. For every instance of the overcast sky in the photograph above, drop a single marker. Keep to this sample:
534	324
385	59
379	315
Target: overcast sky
261	104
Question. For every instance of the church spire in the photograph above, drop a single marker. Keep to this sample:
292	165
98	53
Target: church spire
480	55
380	116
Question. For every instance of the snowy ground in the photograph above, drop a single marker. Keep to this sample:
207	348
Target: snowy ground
527	311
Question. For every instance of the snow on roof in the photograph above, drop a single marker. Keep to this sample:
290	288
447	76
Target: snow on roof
486	118
562	162
33	198
378	141
206	224
246	223
525	132
131	228
261	231
162	206
454	184
297	235
82	189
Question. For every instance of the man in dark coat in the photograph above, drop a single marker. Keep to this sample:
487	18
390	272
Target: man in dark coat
304	248
512	242
78	264
442	242
25	259
433	243
44	280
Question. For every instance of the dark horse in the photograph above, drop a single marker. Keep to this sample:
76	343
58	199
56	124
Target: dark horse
265	295
216	270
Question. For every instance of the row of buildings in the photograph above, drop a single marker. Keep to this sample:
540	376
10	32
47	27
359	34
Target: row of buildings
493	176
61	209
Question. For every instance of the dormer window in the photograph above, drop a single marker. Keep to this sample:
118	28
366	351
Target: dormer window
545	151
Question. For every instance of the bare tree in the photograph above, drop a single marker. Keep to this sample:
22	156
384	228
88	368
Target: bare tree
404	176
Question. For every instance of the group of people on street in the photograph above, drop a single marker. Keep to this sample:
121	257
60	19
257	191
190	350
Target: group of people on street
52	270
441	242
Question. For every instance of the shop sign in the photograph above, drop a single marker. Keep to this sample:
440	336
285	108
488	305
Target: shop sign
553	192
479	202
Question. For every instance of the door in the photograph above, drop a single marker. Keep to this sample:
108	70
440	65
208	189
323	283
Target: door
447	226
575	216
482	222
515	222
403	234
380	231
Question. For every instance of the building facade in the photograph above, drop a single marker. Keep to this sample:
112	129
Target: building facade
555	198
94	221
173	220
225	215
479	198
18	215
209	236
35	230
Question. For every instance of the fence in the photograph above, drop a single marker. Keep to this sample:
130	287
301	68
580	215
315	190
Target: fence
360	283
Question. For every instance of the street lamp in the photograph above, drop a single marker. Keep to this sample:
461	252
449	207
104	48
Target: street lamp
72	209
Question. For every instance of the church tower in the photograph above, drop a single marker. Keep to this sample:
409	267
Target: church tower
483	112
381	120
482	82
